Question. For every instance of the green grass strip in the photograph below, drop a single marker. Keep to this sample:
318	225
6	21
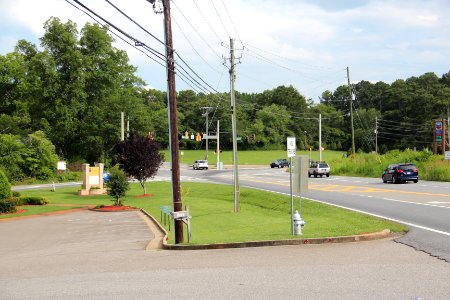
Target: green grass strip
262	216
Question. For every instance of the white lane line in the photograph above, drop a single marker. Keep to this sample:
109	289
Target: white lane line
438	202
363	212
416	203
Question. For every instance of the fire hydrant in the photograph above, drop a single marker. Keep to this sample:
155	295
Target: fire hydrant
298	223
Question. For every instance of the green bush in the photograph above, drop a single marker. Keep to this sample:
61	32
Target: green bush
8	205
33	200
16	194
117	184
69	176
5	186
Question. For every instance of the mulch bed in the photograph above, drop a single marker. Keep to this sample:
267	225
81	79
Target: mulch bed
111	208
144	196
19	211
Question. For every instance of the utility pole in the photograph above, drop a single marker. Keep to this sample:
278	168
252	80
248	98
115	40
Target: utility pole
351	112
205	114
122	126
320	137
233	127
376	134
218	146
173	119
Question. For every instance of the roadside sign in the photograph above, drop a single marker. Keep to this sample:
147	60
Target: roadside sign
291	147
447	155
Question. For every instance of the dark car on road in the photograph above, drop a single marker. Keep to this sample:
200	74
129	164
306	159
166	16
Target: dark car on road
279	163
398	173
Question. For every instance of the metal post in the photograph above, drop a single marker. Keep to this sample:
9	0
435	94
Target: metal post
320	137
122	126
376	134
233	127
292	195
218	146
205	114
351	112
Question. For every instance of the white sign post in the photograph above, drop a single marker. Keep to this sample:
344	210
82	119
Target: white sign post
291	150
447	155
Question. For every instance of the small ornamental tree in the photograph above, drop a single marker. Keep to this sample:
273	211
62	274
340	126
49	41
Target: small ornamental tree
5	186
117	184
139	157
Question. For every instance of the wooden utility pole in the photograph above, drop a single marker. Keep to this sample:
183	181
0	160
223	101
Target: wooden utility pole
173	122
351	112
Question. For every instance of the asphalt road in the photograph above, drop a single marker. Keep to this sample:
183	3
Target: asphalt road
98	255
423	206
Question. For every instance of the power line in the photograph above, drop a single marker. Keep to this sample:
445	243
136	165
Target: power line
232	23
217	12
198	33
208	22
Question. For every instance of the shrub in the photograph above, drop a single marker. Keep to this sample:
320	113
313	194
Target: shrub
117	184
5	186
16	194
8	205
33	200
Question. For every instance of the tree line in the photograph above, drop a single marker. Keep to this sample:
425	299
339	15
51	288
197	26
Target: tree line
71	90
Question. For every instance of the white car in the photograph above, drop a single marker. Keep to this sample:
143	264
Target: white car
200	164
319	169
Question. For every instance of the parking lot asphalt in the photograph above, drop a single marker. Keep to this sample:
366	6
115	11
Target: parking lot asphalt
102	255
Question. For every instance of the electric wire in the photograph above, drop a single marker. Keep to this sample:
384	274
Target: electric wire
220	19
212	29
198	33
231	20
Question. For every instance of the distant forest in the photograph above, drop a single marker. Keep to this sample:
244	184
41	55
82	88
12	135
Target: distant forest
73	89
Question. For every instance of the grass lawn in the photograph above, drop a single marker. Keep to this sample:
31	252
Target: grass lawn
262	216
248	157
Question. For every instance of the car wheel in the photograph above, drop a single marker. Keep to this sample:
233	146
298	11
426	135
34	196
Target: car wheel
394	180
328	174
272	167
416	181
384	180
315	175
206	168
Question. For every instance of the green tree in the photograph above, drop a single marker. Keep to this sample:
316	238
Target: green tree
139	157
5	186
12	156
40	159
117	185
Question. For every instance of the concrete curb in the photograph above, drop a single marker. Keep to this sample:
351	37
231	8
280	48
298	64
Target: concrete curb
327	240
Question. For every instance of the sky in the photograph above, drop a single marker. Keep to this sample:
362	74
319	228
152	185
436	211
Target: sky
304	43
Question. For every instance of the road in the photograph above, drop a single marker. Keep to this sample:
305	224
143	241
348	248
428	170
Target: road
423	206
101	255
97	255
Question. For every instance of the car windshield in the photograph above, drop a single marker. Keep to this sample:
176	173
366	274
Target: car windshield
323	166
407	167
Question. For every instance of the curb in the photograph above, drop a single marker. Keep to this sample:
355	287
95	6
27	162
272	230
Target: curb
313	241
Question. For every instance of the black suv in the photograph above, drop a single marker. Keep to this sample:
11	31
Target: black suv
279	163
403	172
